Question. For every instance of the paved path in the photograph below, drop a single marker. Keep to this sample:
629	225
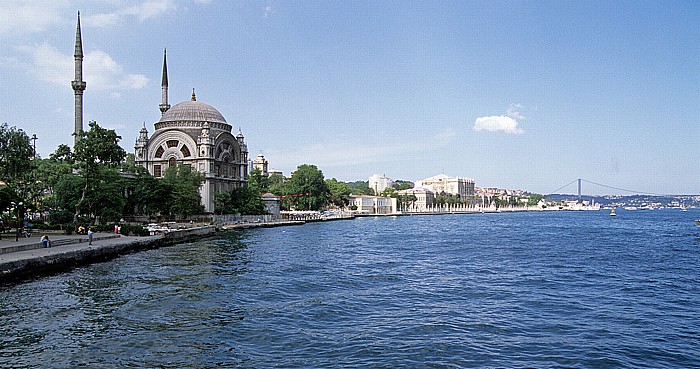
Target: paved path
8	244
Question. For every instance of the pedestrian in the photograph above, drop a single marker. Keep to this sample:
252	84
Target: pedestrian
116	228
90	236
45	240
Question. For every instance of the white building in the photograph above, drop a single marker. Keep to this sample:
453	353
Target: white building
424	198
374	204
261	163
453	185
379	183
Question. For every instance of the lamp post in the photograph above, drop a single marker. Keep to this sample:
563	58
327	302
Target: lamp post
20	219
34	138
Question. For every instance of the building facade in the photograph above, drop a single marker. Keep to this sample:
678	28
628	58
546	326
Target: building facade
424	198
379	183
196	134
452	185
374	204
261	163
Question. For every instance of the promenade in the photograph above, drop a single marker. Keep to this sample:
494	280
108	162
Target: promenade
27	257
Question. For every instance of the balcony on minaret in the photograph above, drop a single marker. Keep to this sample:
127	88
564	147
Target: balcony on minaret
78	85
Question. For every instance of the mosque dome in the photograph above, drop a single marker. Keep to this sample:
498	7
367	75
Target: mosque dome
192	111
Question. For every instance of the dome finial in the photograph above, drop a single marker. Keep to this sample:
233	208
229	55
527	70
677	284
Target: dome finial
194	97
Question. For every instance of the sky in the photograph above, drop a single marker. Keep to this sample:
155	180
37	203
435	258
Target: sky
514	94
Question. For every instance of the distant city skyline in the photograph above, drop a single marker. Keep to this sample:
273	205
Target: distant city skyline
519	95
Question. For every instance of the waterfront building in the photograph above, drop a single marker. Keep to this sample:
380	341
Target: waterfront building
196	134
379	183
272	203
452	185
424	198
374	204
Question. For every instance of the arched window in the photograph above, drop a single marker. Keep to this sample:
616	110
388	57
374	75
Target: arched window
160	151
185	151
172	162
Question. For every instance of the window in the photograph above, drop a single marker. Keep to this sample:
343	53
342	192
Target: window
156	171
172	162
172	143
159	152
185	151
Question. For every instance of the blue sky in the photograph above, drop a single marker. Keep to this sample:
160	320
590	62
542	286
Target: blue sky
514	94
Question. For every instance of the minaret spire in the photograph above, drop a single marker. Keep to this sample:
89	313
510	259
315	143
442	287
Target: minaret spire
78	84
164	106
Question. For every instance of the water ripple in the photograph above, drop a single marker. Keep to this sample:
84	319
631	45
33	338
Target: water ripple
561	290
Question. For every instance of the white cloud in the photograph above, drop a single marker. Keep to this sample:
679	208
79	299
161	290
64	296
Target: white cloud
21	16
142	11
514	111
502	123
267	10
497	123
100	71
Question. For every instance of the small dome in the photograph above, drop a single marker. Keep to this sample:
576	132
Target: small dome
193	111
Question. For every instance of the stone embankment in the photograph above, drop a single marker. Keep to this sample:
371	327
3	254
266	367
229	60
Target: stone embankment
27	257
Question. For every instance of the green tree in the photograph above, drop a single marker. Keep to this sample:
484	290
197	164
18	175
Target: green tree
339	192
308	181
16	160
147	195
247	201
62	154
402	185
258	182
360	188
222	203
96	148
183	184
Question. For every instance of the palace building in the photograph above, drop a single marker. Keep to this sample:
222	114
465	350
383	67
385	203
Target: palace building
196	134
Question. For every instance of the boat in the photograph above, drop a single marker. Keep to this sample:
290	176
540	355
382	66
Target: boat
612	211
697	222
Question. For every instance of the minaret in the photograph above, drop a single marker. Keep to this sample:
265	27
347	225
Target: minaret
164	106
78	84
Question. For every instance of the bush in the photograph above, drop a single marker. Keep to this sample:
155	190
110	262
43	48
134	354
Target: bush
133	230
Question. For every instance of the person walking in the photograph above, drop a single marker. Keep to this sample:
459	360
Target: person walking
90	236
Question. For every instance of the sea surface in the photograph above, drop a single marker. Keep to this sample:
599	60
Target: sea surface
544	290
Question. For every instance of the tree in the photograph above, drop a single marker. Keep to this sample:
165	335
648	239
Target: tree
361	188
222	203
308	182
183	184
402	185
247	201
62	154
339	192
16	159
147	195
258	182
94	149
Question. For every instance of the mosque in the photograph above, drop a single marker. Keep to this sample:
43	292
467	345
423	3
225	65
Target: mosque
189	133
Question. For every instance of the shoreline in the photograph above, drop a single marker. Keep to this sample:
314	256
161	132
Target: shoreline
26	258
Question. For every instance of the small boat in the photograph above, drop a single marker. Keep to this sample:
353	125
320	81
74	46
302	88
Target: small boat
697	222
612	211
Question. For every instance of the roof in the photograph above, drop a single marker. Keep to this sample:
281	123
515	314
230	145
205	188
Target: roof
193	111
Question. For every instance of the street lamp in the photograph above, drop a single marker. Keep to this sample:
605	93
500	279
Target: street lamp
34	138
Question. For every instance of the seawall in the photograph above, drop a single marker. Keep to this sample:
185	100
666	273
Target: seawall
33	262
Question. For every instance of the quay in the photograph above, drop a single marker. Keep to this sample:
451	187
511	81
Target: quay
27	257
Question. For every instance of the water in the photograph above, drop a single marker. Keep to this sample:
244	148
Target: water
561	289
